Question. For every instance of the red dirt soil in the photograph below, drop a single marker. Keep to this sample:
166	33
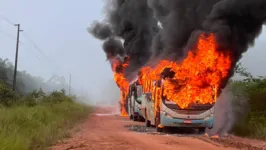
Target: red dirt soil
107	132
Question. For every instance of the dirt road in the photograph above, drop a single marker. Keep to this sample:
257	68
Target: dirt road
108	132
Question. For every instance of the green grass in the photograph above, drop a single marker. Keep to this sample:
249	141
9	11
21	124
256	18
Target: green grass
253	127
252	121
23	127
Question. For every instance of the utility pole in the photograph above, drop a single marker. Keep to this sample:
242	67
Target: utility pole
16	58
69	90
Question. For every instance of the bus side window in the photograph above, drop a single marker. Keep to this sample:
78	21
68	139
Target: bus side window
134	92
130	90
139	91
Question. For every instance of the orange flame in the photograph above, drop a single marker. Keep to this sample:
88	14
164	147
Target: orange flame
215	137
122	84
197	79
122	101
212	137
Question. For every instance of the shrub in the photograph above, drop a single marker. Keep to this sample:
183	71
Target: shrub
7	96
253	124
23	127
35	120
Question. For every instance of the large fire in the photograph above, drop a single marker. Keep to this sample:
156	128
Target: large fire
196	80
122	82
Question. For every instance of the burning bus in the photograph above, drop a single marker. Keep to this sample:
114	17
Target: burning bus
162	112
202	51
183	94
134	101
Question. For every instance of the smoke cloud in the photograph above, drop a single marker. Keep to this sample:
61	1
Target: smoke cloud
179	19
131	20
113	47
235	23
229	109
100	30
110	94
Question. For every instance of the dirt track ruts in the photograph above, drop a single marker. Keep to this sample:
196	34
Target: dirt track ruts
108	133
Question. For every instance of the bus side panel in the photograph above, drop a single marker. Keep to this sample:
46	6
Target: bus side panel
143	107
150	112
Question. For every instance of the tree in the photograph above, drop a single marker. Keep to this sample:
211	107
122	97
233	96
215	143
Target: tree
27	83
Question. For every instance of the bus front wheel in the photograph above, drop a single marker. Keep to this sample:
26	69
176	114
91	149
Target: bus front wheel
147	123
158	127
202	130
135	118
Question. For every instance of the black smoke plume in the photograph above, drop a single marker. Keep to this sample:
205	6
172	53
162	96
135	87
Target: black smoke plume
235	23
101	31
132	21
113	47
179	19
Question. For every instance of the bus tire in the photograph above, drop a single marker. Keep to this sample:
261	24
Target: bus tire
135	118
159	129
147	123
202	130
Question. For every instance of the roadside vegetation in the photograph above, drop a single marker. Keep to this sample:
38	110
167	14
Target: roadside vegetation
27	83
36	119
250	104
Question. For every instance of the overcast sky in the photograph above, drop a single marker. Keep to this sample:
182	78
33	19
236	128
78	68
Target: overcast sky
58	27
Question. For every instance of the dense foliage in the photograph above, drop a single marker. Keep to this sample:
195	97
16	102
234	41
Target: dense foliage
252	91
37	120
27	83
38	113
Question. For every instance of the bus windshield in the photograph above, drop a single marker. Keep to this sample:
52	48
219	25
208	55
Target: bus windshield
173	105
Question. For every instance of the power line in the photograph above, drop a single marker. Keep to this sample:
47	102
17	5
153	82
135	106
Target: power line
7	20
35	46
21	43
32	42
8	35
26	36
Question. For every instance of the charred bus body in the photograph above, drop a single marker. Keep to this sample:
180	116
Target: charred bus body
134	101
169	114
